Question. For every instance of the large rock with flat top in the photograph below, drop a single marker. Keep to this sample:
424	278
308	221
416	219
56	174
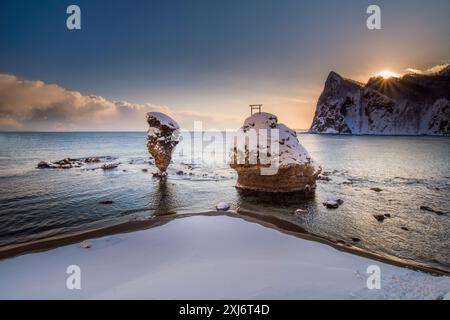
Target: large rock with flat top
276	147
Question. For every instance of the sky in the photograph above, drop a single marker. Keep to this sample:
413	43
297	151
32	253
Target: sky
203	60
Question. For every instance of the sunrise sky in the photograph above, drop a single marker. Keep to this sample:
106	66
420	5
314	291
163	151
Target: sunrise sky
198	59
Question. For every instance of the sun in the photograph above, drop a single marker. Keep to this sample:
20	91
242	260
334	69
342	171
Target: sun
386	74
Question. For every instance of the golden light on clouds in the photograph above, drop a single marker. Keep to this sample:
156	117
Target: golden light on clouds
386	74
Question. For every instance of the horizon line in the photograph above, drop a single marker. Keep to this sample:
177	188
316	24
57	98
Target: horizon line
112	131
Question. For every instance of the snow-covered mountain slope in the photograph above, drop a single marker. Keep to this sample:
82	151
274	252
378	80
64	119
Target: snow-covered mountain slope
414	104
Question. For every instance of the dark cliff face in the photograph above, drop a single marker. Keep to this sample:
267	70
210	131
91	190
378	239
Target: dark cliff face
411	105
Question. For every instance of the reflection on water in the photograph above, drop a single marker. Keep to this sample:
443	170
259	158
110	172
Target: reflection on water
164	199
410	171
279	200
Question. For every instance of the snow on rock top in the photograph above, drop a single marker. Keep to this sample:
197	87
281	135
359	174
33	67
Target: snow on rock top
162	127
163	119
261	120
290	152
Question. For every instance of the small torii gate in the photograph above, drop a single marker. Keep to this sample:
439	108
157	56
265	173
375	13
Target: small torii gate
255	107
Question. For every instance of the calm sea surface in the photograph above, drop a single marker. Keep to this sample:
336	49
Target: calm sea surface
411	171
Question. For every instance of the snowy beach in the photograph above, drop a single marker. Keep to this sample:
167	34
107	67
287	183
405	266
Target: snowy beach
209	258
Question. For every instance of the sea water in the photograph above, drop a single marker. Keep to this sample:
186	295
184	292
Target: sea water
410	171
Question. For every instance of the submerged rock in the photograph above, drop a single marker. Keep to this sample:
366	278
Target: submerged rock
426	208
333	203
162	138
300	212
379	217
268	157
106	202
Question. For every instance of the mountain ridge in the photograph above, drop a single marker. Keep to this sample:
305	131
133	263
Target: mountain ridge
414	104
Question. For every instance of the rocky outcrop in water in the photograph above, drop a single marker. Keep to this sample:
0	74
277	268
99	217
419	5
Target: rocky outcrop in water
295	171
60	164
69	163
162	138
109	166
415	104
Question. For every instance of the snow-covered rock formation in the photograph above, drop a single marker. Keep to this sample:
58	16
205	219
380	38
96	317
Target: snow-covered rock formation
162	138
415	104
269	158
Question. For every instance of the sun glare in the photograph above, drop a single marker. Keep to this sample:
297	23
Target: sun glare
386	74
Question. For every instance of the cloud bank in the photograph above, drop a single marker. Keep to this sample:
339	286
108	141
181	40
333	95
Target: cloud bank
35	105
431	70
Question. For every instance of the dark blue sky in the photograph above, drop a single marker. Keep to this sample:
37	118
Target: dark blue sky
217	55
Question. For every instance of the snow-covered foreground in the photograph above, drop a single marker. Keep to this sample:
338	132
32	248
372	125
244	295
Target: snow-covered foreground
209	258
